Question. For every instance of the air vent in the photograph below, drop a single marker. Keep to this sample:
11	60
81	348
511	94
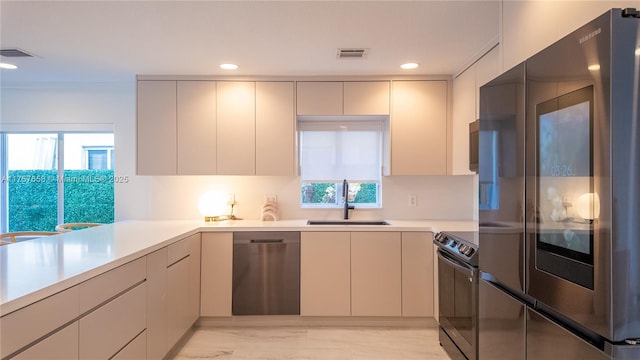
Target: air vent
352	53
14	53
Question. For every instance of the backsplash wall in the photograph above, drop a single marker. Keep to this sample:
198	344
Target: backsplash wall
439	197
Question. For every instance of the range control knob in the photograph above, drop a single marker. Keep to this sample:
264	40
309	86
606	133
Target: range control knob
470	251
463	248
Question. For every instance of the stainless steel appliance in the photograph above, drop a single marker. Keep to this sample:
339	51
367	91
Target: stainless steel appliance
266	273
560	199
458	293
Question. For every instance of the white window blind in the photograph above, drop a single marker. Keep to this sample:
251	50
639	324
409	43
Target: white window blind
336	150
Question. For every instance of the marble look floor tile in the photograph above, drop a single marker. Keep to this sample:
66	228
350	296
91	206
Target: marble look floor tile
312	343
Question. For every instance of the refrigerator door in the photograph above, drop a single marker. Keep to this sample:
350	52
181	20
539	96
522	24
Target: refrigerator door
547	340
582	183
501	176
501	331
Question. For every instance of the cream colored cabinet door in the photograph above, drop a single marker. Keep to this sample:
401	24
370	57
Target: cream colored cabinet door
106	330
135	350
196	127
419	128
236	136
376	274
178	320
417	274
366	98
275	129
183	287
156	333
325	284
216	276
319	98
62	345
156	128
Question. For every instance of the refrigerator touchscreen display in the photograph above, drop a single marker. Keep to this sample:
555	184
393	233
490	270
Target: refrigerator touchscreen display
565	175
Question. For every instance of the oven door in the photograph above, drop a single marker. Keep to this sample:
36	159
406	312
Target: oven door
458	294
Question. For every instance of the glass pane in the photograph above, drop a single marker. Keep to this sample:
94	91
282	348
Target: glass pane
32	182
88	178
319	193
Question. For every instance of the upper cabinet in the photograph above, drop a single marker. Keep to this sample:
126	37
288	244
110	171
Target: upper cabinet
205	127
196	127
236	135
342	98
275	128
156	128
419	127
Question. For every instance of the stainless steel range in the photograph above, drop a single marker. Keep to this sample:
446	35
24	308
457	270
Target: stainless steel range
458	293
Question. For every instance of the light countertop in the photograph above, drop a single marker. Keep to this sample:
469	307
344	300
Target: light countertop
34	269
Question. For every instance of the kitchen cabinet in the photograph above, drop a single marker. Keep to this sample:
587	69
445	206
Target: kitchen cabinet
319	97
108	329
196	128
156	333
156	127
275	129
43	317
63	345
366	98
325	275
135	350
419	127
342	98
376	274
183	287
236	136
216	278
417	274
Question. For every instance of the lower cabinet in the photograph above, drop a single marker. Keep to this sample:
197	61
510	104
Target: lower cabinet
376	274
108	329
417	274
63	344
366	274
217	274
325	274
183	287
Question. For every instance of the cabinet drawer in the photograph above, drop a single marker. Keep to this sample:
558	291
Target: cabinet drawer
109	328
178	250
43	317
63	344
135	350
101	288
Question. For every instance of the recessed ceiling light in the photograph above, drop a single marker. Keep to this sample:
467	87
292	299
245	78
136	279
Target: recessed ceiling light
595	67
8	66
228	66
409	66
638	51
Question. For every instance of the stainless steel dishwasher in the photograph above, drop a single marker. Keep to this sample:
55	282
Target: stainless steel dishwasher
266	273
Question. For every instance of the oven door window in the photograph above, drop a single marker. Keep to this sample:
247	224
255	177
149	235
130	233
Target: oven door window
565	198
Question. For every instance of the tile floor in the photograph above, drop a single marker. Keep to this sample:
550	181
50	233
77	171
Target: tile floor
330	343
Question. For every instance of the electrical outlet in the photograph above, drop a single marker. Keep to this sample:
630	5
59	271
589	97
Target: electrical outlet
413	200
270	198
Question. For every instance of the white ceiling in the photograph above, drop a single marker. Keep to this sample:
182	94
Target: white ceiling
115	40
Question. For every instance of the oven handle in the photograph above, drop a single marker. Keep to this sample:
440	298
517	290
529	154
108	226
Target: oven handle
455	264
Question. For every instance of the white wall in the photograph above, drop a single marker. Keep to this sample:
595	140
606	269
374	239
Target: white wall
112	107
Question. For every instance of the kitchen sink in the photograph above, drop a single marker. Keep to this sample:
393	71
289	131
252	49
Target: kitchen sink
347	222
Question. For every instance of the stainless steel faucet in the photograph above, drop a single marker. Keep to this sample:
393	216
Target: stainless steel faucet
345	195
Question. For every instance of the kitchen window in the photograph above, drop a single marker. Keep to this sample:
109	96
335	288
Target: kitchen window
334	150
48	179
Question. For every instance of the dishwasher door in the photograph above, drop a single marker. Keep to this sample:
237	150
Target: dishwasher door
266	273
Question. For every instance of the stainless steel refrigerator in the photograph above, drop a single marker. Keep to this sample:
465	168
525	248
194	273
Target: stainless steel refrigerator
559	173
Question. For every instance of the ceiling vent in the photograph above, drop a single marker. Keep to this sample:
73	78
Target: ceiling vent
352	53
14	53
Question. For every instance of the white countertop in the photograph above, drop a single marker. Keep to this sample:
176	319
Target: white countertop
34	269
